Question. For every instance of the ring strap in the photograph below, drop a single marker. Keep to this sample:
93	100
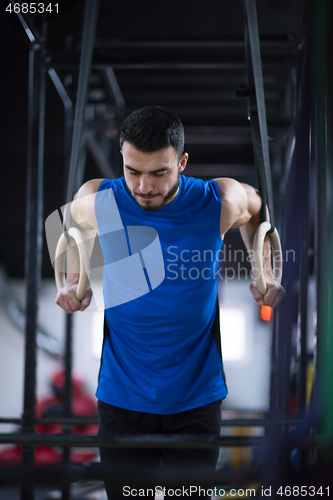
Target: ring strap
257	110
88	40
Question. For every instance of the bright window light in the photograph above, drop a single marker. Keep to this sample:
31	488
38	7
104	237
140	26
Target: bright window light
97	321
232	327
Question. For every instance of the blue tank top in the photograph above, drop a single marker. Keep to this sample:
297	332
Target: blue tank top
159	354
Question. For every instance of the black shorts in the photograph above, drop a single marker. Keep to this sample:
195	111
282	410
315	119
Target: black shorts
113	420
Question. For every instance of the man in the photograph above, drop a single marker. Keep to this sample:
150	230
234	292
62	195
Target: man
161	370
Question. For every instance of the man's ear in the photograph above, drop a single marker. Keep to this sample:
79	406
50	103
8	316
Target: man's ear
183	162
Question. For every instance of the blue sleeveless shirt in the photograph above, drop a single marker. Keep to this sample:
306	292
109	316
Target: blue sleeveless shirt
159	354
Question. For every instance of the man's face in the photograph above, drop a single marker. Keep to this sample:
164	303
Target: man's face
152	178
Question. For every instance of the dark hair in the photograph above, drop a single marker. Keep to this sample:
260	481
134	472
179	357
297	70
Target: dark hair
152	128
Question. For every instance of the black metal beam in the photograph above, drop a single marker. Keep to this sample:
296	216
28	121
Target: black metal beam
32	32
275	46
63	94
99	156
183	80
115	93
234	422
139	441
34	228
220	96
219	169
215	136
102	60
302	159
322	131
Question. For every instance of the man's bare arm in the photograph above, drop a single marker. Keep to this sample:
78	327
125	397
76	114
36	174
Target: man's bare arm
240	208
83	213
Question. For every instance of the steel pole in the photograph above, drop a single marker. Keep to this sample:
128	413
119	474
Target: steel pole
321	62
33	256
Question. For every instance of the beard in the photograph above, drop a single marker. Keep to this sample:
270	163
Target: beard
165	198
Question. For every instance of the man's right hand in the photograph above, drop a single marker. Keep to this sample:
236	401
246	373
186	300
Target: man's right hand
83	213
67	300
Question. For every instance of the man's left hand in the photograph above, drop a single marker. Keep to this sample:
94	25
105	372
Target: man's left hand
274	295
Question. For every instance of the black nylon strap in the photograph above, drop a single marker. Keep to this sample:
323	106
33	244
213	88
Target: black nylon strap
88	39
257	110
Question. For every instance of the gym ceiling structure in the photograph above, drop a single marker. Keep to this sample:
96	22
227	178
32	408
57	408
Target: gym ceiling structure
188	57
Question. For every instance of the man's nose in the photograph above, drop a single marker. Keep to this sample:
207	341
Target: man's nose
145	185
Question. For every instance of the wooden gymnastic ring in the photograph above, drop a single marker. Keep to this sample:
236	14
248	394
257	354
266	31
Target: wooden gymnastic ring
60	253
258	245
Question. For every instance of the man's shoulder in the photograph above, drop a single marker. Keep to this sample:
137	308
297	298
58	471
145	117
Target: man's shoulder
83	205
228	186
89	187
94	185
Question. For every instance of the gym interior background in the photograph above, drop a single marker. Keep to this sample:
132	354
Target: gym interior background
188	57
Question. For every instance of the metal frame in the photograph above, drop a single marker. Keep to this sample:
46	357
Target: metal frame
34	227
322	114
277	423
